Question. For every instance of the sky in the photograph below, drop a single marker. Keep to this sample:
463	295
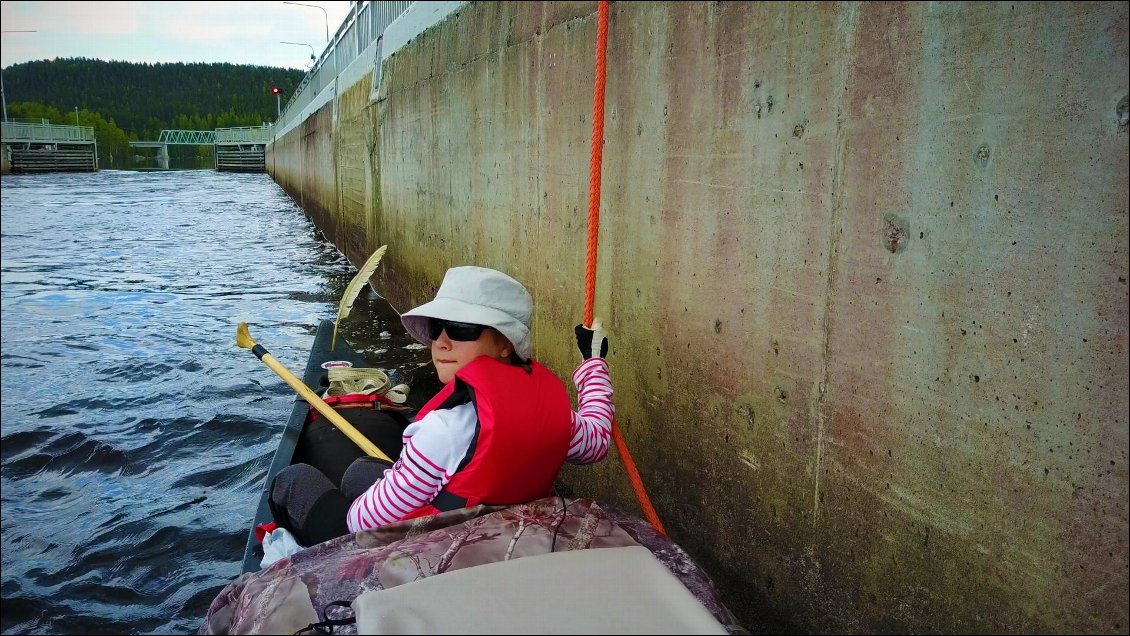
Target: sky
234	32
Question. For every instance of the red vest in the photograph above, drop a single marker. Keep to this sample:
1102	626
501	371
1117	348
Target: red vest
523	435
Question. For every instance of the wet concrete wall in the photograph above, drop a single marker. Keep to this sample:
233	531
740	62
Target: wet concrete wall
864	269
304	164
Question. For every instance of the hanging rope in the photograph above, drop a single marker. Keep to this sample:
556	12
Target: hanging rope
595	159
594	231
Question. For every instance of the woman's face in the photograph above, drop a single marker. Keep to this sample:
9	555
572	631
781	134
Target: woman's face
450	356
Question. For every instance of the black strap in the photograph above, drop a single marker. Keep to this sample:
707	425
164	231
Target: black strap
447	501
327	625
461	394
465	389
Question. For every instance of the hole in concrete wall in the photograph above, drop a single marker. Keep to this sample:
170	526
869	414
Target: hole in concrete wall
895	234
782	395
982	155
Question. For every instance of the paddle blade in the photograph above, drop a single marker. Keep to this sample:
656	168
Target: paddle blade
354	288
243	337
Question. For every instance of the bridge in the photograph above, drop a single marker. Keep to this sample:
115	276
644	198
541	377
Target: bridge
187	137
241	149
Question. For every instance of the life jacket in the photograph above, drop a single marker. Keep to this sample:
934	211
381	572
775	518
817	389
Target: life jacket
521	439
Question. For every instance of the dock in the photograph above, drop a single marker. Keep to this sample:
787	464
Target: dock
40	146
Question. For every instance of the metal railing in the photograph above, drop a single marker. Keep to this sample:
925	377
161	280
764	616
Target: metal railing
22	131
244	135
365	23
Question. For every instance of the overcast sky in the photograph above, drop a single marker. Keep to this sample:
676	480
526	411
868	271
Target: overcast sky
235	32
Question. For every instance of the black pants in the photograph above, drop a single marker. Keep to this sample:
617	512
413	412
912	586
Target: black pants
305	501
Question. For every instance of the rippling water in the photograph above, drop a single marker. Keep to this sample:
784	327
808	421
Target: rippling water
135	435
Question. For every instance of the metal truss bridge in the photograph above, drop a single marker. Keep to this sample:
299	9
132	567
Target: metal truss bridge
237	149
245	135
187	137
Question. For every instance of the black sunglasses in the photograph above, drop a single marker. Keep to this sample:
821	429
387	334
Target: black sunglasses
461	331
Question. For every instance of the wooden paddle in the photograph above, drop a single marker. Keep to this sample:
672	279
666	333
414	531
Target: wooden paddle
244	341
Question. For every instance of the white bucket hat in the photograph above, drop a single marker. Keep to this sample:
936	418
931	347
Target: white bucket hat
480	296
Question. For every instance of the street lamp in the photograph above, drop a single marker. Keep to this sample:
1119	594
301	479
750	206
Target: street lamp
76	115
3	97
314	6
312	58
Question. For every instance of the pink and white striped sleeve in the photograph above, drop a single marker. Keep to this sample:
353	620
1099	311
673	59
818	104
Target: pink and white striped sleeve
433	448
592	422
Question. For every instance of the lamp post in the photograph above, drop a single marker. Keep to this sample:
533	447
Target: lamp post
3	96
278	102
76	115
314	6
312	58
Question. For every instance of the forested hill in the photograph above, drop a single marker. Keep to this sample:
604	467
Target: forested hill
126	101
143	99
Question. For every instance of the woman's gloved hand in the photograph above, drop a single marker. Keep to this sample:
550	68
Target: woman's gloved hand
591	340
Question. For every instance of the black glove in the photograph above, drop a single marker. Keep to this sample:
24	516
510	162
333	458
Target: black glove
591	341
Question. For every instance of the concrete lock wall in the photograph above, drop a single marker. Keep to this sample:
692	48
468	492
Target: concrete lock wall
863	267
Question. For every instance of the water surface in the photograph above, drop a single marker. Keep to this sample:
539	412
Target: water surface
135	435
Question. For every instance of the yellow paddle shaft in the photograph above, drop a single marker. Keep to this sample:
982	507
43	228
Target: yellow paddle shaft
325	409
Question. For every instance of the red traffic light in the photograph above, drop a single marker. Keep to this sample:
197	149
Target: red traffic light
275	90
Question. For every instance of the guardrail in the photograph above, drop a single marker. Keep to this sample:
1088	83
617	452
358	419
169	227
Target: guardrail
365	23
245	135
16	131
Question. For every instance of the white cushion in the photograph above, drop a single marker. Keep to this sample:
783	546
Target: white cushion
623	590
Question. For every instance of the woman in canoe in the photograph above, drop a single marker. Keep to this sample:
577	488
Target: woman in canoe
497	433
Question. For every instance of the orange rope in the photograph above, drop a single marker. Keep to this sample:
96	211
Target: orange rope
594	227
595	159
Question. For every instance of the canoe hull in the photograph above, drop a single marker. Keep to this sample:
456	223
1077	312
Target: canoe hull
291	444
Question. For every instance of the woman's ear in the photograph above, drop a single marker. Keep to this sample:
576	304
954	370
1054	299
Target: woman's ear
505	348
